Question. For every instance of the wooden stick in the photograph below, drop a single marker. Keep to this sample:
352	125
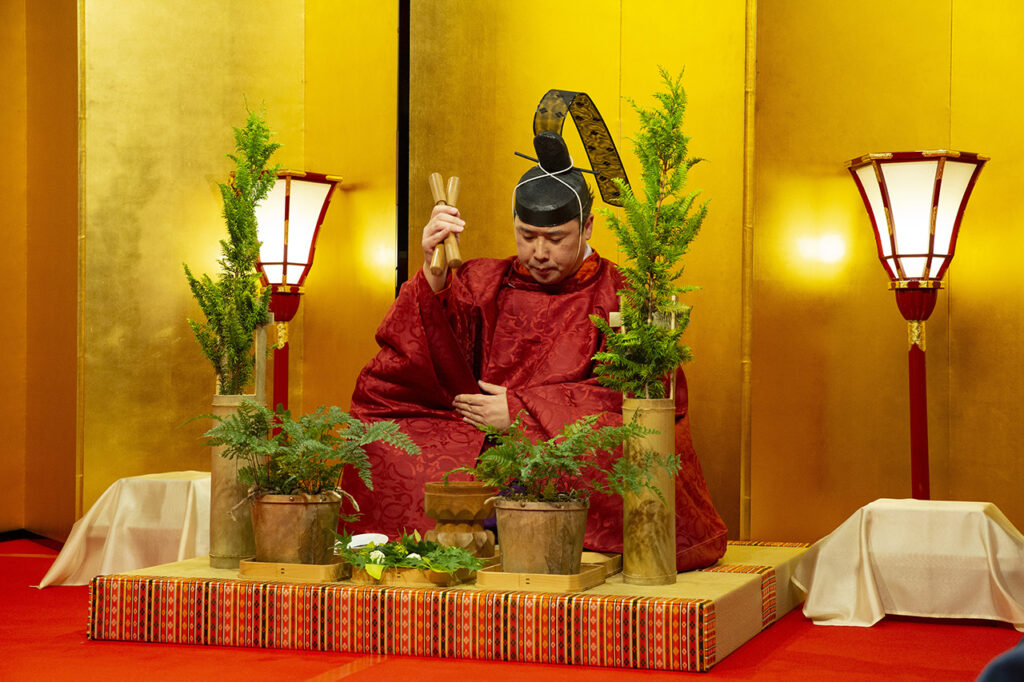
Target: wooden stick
451	244
438	262
449	254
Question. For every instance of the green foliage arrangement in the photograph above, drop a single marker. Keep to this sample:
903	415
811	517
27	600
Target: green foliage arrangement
233	304
285	456
567	466
655	234
409	551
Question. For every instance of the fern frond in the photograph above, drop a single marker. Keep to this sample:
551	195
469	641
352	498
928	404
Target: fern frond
305	455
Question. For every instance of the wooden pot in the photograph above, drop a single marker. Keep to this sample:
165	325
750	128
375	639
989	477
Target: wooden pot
459	509
541	537
295	529
649	524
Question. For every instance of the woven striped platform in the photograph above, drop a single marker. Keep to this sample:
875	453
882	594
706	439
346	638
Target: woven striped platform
688	626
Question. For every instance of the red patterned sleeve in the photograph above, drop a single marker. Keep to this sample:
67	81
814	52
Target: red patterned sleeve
550	407
420	366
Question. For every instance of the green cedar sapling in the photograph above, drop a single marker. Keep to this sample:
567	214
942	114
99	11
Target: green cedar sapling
654	234
234	304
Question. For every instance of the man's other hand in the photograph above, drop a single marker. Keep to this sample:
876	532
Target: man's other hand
490	407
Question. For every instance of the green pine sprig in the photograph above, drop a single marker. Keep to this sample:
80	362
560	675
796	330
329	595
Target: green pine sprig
654	235
234	304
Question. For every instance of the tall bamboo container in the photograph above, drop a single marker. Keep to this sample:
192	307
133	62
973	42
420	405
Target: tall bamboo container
231	536
649	528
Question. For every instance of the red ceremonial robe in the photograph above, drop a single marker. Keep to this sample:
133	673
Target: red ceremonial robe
537	340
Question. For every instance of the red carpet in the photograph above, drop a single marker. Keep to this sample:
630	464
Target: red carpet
42	637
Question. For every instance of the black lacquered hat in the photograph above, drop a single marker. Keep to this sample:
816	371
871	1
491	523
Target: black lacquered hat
552	192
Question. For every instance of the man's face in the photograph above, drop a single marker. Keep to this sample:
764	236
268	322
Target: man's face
552	253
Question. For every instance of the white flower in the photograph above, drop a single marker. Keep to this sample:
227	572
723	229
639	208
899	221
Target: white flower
414	555
377	556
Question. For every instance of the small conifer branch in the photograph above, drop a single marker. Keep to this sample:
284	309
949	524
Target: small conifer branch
234	304
654	235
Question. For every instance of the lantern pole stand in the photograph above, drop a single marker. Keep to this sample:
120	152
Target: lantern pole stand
915	246
916	301
284	303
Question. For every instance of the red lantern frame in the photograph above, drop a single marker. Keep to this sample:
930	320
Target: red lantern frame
285	296
916	293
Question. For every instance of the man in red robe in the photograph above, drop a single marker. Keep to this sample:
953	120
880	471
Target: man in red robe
497	338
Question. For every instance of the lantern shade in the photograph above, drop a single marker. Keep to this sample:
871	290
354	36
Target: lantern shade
916	201
288	222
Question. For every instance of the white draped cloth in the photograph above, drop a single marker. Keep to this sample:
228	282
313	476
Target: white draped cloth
932	558
138	522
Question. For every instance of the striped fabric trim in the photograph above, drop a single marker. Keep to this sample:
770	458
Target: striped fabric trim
759	543
768	596
575	629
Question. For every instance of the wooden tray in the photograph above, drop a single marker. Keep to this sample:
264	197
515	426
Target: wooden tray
491	560
493	578
612	562
415	577
306	573
410	577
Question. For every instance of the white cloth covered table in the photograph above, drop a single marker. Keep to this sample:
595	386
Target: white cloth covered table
916	558
139	521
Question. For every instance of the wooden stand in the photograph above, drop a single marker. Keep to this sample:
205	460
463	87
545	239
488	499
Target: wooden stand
612	562
494	578
594	568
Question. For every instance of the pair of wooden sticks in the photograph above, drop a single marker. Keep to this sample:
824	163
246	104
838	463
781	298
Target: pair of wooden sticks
446	254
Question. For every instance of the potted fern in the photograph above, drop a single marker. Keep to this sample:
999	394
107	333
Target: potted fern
641	357
292	471
235	311
544	488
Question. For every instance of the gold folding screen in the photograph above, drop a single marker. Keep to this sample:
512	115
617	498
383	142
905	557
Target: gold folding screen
161	88
830	411
351	116
13	259
163	85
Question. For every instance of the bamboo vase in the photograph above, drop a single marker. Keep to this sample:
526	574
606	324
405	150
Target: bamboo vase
649	528
230	522
231	537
